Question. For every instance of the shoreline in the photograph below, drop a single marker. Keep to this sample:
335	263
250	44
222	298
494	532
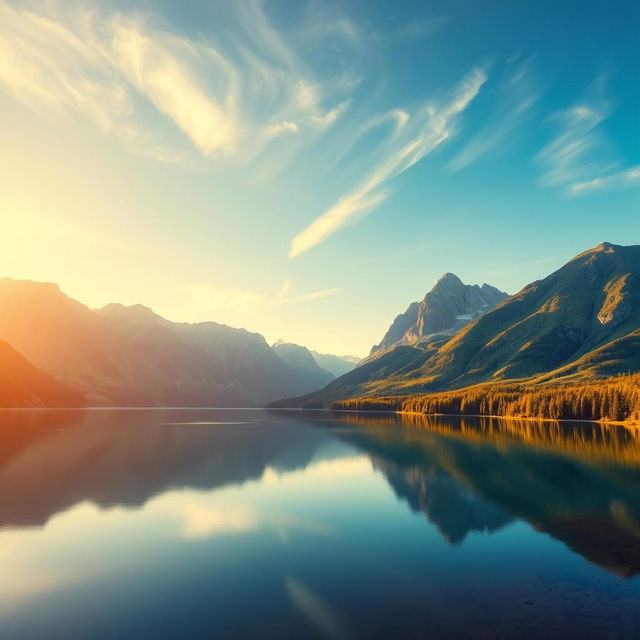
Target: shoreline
633	424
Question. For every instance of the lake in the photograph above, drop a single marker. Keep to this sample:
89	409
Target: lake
222	523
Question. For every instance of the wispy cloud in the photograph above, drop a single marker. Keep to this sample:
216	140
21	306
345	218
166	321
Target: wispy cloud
516	96
618	180
578	150
316	295
581	159
413	138
285	296
132	76
204	299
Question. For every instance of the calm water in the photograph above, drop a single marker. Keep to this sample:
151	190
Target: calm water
247	524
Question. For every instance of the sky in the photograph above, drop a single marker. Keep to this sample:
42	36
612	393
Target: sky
306	169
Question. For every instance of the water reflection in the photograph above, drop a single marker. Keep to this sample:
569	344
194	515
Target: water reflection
579	482
53	460
312	521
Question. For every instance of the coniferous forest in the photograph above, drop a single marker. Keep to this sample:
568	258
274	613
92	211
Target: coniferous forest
615	399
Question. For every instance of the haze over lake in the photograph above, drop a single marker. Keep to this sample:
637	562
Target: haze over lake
245	523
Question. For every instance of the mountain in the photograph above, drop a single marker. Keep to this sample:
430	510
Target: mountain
336	365
131	356
580	322
22	385
448	307
303	365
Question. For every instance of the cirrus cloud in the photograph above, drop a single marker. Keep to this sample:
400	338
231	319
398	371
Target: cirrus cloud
414	137
135	77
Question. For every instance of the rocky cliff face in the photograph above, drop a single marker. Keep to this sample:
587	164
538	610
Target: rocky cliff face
449	306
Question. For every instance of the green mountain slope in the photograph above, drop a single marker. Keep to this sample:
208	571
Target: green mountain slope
581	321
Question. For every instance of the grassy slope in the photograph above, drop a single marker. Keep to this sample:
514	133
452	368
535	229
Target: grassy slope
581	322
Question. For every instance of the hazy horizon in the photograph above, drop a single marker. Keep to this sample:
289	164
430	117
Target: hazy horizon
306	170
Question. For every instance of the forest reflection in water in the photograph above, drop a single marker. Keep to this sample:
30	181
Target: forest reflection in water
312	477
577	481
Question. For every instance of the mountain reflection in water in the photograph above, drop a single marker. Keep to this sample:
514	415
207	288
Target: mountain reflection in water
576	482
579	482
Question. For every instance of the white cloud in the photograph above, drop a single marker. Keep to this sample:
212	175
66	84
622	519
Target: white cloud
413	138
516	97
281	128
284	295
581	159
324	120
134	77
170	72
49	67
346	211
577	152
618	180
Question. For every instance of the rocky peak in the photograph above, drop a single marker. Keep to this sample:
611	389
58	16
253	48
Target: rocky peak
446	308
448	280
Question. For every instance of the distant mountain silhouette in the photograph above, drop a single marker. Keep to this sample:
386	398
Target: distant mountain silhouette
582	321
303	365
22	385
131	356
336	365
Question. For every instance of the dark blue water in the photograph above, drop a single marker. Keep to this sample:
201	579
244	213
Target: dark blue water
247	524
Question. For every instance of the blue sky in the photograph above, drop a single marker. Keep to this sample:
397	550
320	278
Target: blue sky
306	169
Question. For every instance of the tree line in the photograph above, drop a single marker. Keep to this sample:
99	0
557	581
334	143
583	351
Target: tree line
609	399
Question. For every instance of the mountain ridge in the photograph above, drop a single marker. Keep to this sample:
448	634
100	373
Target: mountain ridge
302	363
581	321
131	356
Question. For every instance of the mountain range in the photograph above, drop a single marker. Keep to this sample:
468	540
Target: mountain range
580	322
336	365
130	356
